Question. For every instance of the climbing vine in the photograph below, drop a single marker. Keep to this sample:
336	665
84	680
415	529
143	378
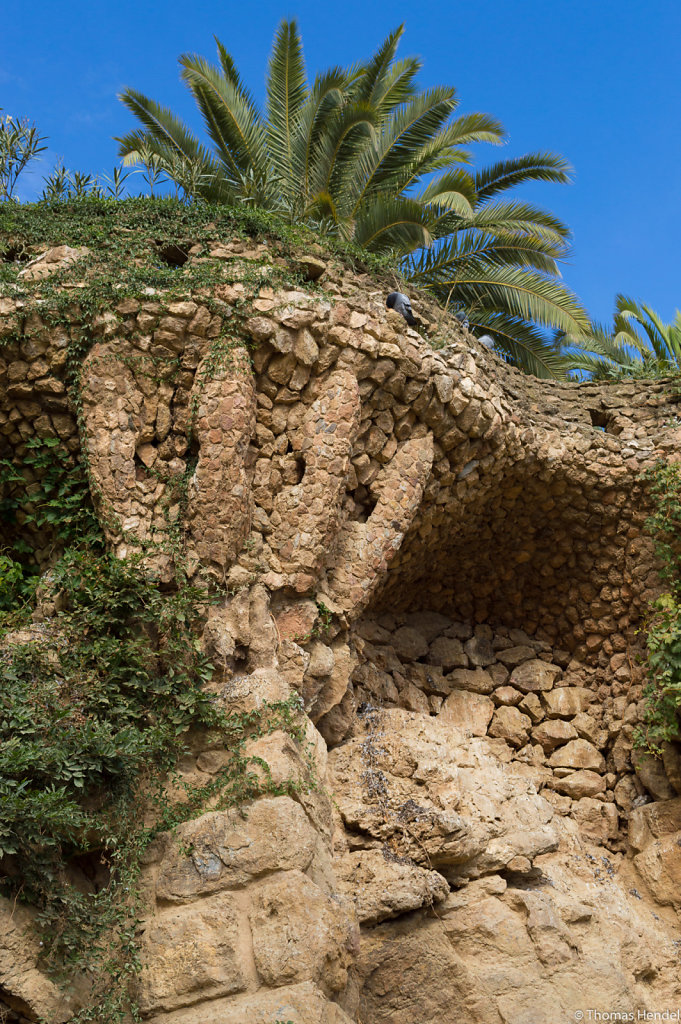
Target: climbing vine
100	691
663	628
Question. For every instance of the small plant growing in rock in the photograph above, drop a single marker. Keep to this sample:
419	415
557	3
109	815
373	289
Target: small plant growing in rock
663	639
20	143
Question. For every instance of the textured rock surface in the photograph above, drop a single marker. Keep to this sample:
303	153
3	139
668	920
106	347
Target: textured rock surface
446	561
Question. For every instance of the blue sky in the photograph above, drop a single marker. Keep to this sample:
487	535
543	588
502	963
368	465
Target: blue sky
596	80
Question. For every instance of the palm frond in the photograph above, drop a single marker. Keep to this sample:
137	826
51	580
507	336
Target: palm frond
161	125
518	292
390	224
231	118
371	85
522	344
286	94
530	167
513	215
411	128
321	110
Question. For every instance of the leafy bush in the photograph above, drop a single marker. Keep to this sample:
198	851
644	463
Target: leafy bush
663	691
95	707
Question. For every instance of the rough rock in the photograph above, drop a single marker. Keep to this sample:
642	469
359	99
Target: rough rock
578	754
534	676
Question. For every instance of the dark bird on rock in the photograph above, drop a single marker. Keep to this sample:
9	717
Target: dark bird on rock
463	320
401	304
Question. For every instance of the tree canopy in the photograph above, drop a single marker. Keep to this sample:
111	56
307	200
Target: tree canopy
364	154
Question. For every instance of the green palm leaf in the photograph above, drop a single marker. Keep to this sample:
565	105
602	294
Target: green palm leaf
510	173
286	94
393	225
522	344
231	119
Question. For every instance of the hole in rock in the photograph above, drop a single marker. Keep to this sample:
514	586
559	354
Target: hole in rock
15	254
174	254
532	546
300	468
601	420
14	1010
364	504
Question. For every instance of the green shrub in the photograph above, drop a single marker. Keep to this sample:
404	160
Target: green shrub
663	627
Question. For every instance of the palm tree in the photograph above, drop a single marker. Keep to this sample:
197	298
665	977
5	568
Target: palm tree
639	343
350	154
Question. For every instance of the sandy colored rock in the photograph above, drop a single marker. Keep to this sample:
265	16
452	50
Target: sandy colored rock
579	784
448	653
653	821
474	680
348	485
566	701
660	868
227	849
651	772
553	733
510	724
300	934
305	1003
597	820
382	886
194	951
578	754
513	656
534	676
480	651
507	695
469	711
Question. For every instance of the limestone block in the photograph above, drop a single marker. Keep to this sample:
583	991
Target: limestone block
21	978
381	886
417	975
448	653
409	644
507	695
469	711
336	684
429	624
653	821
55	258
480	651
597	820
650	770
300	934
534	676
553	733
579	784
304	1003
578	754
589	729
511	725
566	701
660	867
531	705
193	952
513	656
474	680
228	850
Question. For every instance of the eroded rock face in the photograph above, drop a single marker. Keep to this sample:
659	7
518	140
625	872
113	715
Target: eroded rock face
445	561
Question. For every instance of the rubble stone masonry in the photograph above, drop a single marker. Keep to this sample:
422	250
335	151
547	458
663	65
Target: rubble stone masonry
446	560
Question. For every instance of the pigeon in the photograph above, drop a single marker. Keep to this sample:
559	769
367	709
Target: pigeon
486	340
401	304
463	320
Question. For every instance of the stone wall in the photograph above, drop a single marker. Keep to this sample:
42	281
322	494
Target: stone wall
446	561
